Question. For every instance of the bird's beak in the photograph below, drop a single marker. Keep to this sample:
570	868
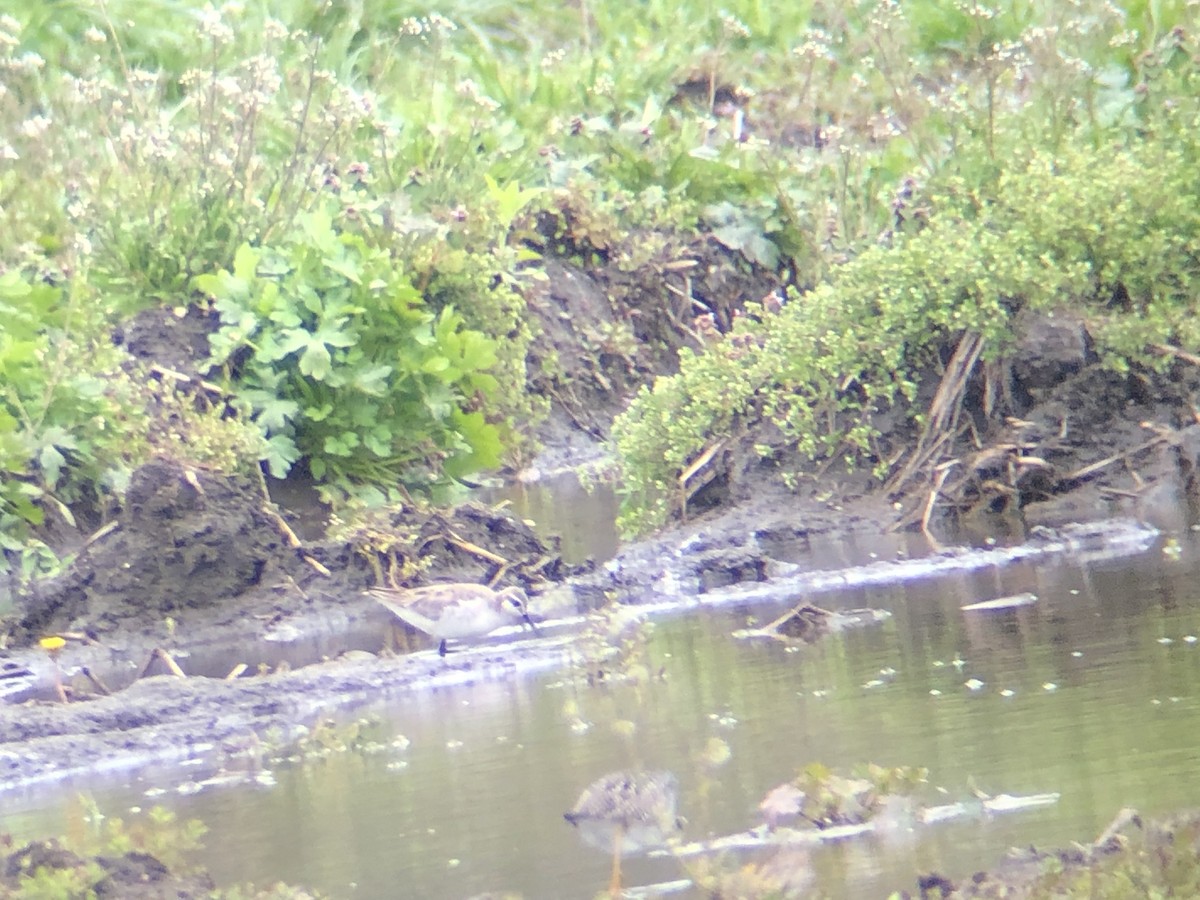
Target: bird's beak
530	623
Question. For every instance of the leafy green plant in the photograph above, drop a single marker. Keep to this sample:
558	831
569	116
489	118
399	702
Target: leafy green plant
62	397
341	363
44	883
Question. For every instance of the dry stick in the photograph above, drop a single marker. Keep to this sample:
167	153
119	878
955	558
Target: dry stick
796	611
1117	492
1138	480
947	401
912	517
189	475
236	672
563	405
1124	817
1093	468
946	406
107	529
58	684
943	473
316	566
1171	350
296	587
474	549
163	372
288	535
690	472
159	653
95	680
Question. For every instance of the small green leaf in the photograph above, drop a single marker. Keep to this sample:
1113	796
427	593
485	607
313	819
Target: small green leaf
281	454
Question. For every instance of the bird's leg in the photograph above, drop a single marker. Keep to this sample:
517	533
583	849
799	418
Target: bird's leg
614	884
442	648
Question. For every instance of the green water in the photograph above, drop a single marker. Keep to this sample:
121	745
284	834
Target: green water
581	518
1102	709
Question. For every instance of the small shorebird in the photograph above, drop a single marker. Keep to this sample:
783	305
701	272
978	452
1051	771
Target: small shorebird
456	611
627	812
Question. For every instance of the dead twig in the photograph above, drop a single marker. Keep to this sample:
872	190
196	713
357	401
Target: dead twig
1092	468
171	374
1171	350
945	409
697	466
97	683
316	565
167	660
943	472
102	532
474	549
190	476
284	529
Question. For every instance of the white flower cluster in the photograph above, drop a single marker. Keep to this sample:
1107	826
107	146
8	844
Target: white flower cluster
424	26
468	89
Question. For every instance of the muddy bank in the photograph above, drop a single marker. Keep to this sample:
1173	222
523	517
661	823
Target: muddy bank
1131	858
209	570
327	649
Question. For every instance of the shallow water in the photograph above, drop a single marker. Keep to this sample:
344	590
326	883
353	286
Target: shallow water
582	518
1104	694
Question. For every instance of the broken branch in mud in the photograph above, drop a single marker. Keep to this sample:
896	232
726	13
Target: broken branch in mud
699	466
1092	468
1176	352
96	680
290	536
167	660
1126	816
316	566
475	550
943	472
190	476
293	540
945	409
569	409
101	532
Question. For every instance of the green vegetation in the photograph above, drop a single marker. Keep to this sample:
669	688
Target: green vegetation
360	199
1046	203
344	366
107	857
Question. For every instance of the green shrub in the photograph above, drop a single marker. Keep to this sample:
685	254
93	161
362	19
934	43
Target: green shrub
341	363
1084	226
66	407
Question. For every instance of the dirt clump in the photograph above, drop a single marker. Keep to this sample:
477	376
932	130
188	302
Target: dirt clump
1161	857
211	551
614	311
184	540
133	875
